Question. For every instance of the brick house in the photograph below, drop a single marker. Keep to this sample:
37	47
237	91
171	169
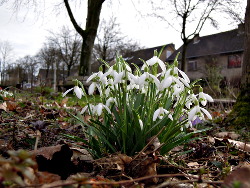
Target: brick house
224	50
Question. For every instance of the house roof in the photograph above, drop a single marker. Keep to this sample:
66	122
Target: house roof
220	43
144	54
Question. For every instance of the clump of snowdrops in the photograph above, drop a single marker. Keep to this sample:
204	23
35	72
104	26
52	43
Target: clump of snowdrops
156	99
5	94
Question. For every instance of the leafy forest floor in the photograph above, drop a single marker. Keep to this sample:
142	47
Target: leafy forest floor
38	125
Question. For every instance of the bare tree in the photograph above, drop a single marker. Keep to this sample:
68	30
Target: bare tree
47	56
30	66
69	46
108	38
88	34
111	42
5	56
189	17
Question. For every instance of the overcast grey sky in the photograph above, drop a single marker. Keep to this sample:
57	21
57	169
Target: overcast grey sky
27	32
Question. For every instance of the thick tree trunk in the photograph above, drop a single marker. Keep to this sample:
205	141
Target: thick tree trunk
183	57
89	34
239	117
93	19
245	82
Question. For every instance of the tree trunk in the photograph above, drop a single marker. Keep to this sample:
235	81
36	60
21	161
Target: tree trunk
239	117
245	82
183	56
89	34
93	18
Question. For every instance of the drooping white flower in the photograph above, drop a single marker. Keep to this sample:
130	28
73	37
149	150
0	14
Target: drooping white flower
91	77
203	98
196	111
206	112
78	91
193	113
109	101
161	85
132	86
190	100
141	123
184	76
153	61
160	112
92	87
98	76
177	89
91	108
128	68
99	107
118	77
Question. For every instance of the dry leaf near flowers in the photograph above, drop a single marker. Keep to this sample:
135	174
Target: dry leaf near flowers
114	165
239	176
55	159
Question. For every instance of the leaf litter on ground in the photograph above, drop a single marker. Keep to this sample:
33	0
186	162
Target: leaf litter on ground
208	161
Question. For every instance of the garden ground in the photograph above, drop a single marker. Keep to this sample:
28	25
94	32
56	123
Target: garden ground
41	126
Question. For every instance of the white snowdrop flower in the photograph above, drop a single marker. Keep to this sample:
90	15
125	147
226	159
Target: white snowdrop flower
132	86
78	91
107	91
91	106
91	77
190	99
99	107
153	61
167	82
184	76
161	85
103	79
128	68
118	77
184	82
203	97
109	101
192	113
177	89
141	124
98	75
189	124
160	112
178	82
206	112
92	87
196	112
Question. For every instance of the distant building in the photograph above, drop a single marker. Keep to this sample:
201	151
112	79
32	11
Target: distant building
224	49
46	77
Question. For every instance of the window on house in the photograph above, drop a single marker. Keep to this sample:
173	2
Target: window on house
168	53
234	61
192	66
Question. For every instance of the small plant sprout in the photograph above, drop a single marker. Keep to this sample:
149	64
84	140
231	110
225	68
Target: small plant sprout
156	99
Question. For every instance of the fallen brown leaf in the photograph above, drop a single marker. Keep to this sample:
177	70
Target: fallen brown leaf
240	175
11	105
3	106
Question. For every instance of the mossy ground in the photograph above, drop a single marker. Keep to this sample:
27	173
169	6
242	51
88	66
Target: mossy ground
240	115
